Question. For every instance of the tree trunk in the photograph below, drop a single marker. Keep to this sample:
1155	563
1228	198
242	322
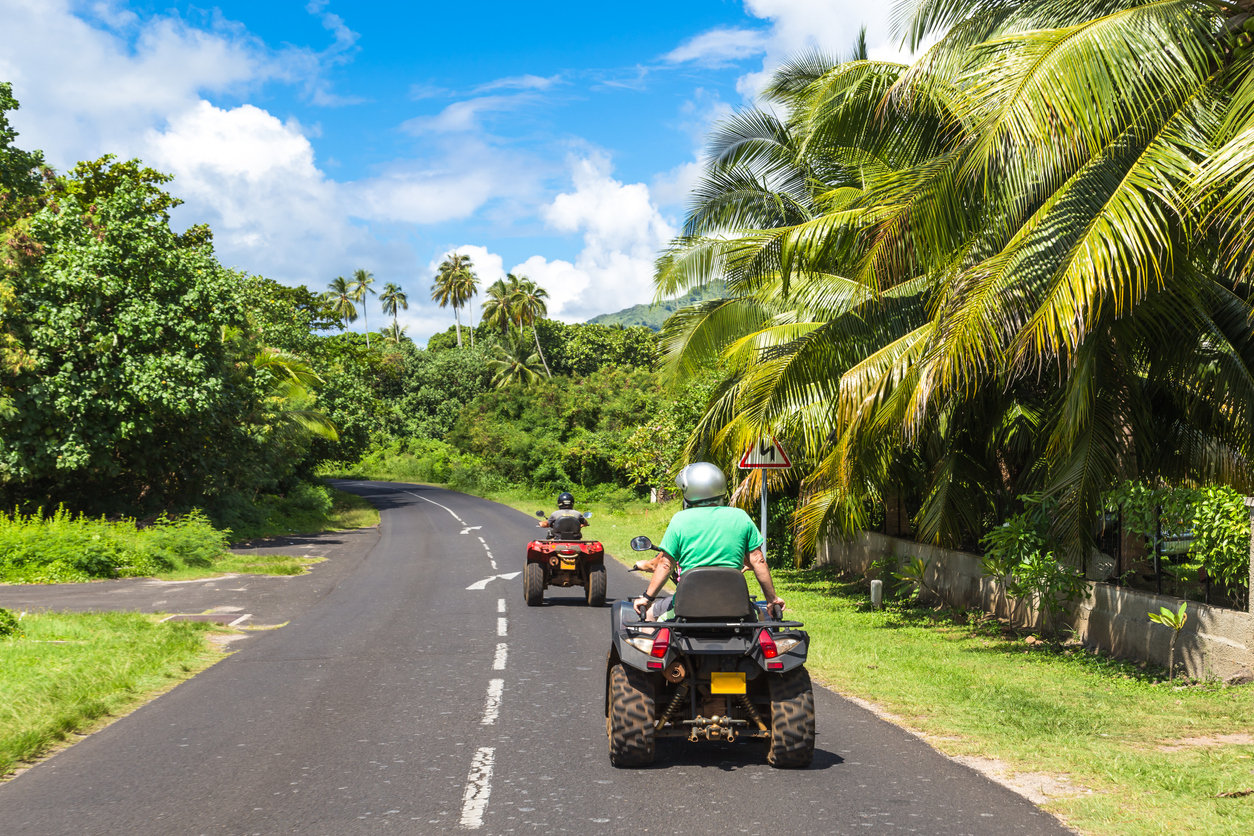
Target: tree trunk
365	315
535	332
458	319
1171	656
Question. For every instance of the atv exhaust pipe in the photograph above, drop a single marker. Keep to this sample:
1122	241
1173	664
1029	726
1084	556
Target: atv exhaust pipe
676	672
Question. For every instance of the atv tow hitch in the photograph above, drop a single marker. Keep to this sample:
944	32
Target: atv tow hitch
713	728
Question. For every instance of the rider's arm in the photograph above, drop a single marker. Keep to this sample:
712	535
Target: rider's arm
660	576
757	562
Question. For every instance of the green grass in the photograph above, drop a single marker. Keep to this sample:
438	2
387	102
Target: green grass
71	672
241	564
1051	708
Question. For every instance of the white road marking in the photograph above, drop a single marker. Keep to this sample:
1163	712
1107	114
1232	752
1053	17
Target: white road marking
492	705
502	626
500	605
481	540
493	562
483	584
469	529
485	547
478	788
433	502
502	650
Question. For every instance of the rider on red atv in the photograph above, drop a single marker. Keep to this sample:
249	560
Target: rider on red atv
565	523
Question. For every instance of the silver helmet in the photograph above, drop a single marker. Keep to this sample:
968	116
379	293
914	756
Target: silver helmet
701	482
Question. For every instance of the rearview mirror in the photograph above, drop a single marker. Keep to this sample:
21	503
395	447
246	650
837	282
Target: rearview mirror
641	544
587	515
541	514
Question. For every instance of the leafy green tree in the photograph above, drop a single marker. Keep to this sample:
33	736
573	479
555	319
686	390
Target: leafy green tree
500	307
360	289
21	180
580	349
132	397
341	298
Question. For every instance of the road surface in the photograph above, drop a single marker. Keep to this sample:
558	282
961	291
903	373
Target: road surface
416	698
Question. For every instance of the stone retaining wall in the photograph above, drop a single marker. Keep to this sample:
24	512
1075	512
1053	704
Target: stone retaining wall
1215	643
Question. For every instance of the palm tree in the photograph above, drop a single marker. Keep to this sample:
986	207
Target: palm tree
454	285
360	287
393	299
513	361
340	298
530	306
499	308
1015	265
394	333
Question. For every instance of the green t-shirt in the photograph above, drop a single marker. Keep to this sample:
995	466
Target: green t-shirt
712	536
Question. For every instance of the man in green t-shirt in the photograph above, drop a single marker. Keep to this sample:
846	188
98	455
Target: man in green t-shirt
706	533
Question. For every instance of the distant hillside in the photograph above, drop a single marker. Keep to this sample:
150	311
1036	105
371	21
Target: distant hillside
652	316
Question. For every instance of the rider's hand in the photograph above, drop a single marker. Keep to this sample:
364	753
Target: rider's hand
775	608
638	566
641	605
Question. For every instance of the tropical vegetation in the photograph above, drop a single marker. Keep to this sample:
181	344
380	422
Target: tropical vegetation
1014	266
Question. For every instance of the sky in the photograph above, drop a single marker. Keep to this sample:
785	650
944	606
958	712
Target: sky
555	140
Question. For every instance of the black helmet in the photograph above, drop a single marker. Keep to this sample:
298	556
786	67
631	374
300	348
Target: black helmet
565	500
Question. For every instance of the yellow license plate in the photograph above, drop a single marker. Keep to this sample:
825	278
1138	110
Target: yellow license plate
727	683
568	564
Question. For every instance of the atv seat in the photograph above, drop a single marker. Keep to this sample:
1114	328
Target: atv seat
566	528
713	593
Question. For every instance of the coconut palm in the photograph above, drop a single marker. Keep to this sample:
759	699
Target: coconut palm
394	333
339	299
360	288
500	306
1014	265
531	307
513	361
455	284
394	300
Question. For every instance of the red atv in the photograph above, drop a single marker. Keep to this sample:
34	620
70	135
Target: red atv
565	559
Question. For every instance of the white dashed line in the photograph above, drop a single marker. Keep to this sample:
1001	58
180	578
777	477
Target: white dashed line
500	605
481	540
502	650
478	788
502	626
492	705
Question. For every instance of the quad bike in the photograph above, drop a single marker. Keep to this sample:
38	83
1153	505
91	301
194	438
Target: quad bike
564	560
724	668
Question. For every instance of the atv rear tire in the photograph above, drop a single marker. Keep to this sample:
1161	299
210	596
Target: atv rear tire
596	586
791	744
631	717
533	584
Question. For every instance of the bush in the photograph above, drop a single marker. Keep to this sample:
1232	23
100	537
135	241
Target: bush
63	548
10	624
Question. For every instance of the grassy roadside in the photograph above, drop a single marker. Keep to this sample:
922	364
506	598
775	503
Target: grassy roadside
73	672
1135	754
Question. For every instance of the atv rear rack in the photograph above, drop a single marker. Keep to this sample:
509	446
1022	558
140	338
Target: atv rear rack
685	626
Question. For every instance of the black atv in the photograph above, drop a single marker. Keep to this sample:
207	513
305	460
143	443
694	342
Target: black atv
723	669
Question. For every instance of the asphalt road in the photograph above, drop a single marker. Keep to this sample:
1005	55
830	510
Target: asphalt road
401	701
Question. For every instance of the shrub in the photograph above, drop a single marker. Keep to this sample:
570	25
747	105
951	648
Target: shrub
63	548
10	624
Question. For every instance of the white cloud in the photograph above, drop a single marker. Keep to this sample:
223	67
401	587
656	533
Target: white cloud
520	82
719	46
622	233
465	116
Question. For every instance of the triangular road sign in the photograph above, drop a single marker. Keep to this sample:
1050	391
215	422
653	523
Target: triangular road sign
766	454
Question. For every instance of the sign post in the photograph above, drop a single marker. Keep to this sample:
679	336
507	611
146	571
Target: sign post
765	454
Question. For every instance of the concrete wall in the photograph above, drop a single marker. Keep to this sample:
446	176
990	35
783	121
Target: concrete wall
1215	643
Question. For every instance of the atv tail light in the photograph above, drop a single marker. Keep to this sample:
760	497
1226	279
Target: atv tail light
661	643
774	666
786	644
769	650
655	666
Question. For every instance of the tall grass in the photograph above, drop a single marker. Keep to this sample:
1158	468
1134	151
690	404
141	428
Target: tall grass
70	670
64	548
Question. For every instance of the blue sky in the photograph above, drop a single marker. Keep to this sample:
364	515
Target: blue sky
554	139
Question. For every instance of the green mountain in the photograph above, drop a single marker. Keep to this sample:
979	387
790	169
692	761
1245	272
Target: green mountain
652	316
